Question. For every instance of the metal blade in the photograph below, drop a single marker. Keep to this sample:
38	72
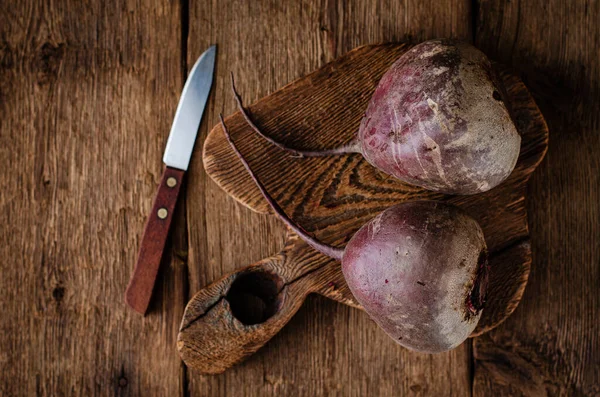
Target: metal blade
189	111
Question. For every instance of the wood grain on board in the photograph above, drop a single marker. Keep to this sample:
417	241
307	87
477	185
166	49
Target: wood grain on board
87	93
334	196
327	348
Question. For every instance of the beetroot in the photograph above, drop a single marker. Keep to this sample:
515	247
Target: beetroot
437	119
418	268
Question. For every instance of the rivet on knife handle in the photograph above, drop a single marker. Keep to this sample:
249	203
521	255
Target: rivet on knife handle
139	290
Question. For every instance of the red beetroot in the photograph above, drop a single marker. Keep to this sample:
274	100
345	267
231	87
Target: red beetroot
419	269
437	119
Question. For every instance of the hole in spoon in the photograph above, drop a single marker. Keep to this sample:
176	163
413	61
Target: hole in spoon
254	297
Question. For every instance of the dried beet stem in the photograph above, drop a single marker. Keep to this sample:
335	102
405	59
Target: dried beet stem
328	250
352	147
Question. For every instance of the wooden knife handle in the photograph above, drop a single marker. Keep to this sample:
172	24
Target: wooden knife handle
141	284
235	316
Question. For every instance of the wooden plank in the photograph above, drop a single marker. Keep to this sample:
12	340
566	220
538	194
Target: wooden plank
87	93
327	348
551	345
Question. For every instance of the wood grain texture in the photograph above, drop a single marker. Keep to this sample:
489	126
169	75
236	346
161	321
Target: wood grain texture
142	281
551	345
87	92
327	348
237	315
334	196
87	95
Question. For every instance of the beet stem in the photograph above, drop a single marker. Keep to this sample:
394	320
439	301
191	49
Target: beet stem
328	250
352	147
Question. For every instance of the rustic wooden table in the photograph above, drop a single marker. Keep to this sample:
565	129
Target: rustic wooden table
87	95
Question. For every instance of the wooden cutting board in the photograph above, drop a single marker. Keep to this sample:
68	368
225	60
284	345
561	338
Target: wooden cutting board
331	198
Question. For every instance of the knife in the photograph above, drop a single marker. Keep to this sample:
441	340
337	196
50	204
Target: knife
176	158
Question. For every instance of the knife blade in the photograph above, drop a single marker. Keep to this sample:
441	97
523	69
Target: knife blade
178	153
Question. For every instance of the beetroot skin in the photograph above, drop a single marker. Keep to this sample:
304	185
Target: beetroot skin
437	119
420	270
